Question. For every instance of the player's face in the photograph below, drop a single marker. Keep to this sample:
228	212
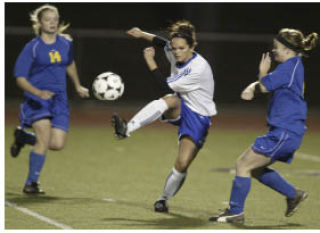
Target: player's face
49	22
181	50
279	51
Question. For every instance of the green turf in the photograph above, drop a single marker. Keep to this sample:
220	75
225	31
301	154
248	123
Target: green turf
94	166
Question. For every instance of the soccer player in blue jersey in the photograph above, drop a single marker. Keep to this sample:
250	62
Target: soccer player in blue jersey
40	71
286	117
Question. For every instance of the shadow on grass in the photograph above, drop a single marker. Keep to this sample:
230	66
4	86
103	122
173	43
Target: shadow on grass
161	221
177	221
268	227
164	221
26	199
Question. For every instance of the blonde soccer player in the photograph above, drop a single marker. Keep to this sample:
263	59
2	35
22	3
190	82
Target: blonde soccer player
287	116
40	71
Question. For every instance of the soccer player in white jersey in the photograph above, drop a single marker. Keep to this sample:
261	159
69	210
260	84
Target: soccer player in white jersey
190	107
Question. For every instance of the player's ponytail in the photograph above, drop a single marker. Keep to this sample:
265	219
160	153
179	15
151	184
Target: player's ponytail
36	15
295	40
184	29
311	41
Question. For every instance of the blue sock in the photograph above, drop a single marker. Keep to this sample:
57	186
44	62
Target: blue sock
27	138
240	189
272	179
35	165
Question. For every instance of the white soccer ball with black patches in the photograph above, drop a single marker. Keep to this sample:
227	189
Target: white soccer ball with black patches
108	86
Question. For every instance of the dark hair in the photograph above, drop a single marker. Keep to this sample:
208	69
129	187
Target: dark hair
184	29
184	36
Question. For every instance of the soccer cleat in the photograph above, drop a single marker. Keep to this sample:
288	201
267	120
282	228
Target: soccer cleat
161	206
228	217
33	188
292	203
16	145
120	126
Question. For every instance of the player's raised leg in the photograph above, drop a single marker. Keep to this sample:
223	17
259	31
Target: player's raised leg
145	116
21	138
274	180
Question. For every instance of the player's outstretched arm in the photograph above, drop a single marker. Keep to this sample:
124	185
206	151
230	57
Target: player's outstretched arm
156	40
139	34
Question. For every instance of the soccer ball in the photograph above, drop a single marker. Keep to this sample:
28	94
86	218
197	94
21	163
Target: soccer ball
108	86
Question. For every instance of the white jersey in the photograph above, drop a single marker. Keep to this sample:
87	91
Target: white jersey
194	82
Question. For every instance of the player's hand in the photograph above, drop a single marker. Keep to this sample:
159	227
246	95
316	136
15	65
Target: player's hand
135	32
82	92
248	92
149	53
265	64
45	94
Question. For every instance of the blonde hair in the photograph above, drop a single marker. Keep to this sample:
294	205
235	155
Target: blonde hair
36	16
185	27
297	39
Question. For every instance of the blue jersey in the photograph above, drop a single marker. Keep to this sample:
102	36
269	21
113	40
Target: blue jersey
287	109
44	65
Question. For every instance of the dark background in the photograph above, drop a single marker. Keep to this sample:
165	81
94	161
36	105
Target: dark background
234	58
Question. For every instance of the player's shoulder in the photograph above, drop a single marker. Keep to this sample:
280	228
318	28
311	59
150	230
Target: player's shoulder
290	64
66	38
200	61
31	44
33	41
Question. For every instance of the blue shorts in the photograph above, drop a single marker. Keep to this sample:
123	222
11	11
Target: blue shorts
191	124
56	109
279	144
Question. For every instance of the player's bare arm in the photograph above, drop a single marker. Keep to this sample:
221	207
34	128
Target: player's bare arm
139	34
73	74
149	54
264	67
25	85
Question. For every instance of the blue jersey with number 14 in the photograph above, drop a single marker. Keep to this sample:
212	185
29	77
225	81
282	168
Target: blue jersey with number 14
44	65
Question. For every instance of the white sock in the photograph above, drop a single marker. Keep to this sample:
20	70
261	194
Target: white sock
147	115
173	184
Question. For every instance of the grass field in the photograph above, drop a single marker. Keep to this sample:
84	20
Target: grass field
97	182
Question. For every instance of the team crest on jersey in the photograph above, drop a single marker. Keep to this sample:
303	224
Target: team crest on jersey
185	72
54	56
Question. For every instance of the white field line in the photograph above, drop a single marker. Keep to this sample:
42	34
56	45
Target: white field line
309	157
37	216
109	200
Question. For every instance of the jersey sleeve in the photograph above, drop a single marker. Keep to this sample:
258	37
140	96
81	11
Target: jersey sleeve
159	41
24	62
278	78
70	54
188	80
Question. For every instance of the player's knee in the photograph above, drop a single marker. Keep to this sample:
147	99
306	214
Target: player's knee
241	166
171	101
57	145
182	165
